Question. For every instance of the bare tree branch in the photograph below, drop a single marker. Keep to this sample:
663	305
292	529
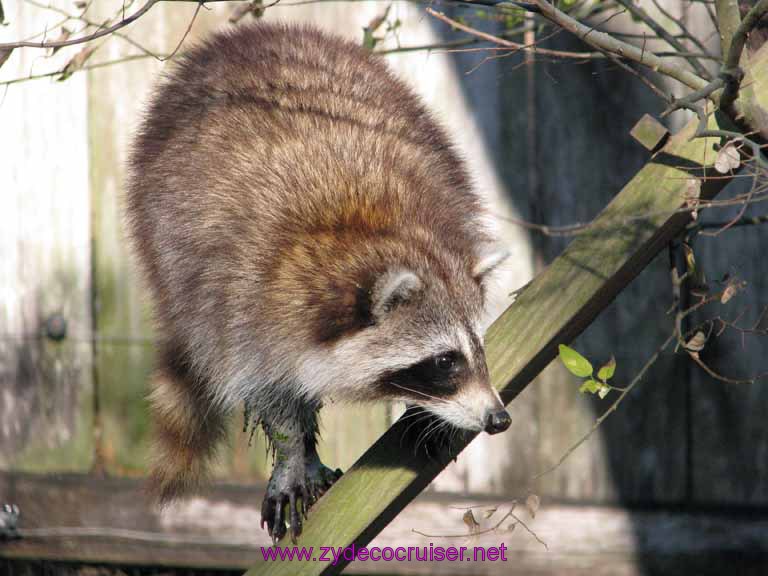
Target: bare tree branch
513	45
683	28
731	62
659	30
101	32
606	42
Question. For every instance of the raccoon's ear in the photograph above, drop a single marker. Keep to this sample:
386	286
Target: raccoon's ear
489	256
392	288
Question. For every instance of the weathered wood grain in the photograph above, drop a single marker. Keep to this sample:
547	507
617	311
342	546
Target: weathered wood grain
45	386
220	530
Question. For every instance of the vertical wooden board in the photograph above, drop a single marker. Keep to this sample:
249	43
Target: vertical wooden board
584	114
45	387
125	352
123	360
730	437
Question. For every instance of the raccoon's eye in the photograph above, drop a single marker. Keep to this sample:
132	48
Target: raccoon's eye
445	362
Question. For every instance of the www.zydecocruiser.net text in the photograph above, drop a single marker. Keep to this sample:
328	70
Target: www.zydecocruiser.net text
429	553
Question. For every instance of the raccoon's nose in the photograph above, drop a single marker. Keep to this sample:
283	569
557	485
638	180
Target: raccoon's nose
497	421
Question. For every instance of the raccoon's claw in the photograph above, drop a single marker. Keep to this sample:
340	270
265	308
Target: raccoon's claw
284	506
286	502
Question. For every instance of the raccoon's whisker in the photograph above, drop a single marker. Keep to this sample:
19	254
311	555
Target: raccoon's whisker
414	414
424	435
424	417
435	398
454	434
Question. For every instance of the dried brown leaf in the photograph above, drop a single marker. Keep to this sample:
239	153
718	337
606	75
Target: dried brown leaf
692	195
727	158
728	293
77	62
532	504
469	520
697	342
377	21
255	8
63	37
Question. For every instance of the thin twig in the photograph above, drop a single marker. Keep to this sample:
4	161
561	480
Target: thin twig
745	221
88	67
510	514
101	32
186	33
695	357
584	227
88	22
508	43
643	78
683	28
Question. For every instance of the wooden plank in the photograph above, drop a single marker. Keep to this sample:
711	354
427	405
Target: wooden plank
555	308
730	437
219	530
125	350
45	386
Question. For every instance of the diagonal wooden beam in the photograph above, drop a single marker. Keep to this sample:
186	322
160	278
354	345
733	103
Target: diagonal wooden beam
558	305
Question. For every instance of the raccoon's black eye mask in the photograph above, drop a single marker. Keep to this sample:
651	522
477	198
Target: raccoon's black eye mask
439	375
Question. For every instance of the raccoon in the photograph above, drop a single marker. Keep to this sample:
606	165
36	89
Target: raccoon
307	232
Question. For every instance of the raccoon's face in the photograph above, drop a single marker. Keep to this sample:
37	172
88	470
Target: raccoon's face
422	345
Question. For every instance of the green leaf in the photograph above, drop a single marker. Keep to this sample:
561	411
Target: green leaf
606	370
575	362
603	392
591	386
369	41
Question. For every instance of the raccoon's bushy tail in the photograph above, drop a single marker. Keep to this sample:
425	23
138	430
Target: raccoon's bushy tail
187	430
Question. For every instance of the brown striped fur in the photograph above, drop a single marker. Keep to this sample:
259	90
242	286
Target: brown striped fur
278	173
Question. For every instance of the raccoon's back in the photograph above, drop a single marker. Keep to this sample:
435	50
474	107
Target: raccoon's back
266	134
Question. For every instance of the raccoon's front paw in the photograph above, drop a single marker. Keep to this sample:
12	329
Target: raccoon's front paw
319	479
290	493
284	505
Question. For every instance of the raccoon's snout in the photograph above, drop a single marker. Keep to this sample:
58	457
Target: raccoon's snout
497	421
